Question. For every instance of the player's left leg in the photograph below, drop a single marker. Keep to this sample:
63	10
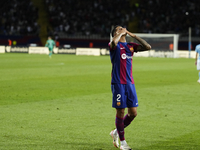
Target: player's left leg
129	117
132	104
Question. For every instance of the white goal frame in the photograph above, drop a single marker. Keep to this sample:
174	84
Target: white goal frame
175	40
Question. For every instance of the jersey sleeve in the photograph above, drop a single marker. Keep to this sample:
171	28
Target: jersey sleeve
111	49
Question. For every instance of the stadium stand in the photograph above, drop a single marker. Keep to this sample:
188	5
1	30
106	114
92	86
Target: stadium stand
72	17
92	19
75	17
18	18
176	16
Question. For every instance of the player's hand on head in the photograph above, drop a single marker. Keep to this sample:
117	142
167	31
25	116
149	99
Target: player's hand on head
123	31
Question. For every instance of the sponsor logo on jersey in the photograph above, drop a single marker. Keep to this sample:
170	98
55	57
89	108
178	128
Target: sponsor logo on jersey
124	56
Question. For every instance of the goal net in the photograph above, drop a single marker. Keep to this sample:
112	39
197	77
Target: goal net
162	45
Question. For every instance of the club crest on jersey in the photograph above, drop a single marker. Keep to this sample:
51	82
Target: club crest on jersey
131	49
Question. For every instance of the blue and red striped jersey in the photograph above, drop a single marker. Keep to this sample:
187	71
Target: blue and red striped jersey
121	59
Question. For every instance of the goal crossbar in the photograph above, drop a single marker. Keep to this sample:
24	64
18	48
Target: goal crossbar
175	39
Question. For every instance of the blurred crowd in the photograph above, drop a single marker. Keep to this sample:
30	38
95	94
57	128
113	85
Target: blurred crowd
18	18
87	17
173	16
95	17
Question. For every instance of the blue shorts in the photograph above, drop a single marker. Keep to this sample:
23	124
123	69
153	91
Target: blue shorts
124	95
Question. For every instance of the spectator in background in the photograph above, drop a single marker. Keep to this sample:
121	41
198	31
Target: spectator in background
9	42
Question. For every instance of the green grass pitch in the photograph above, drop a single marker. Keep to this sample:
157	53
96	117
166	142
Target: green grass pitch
64	103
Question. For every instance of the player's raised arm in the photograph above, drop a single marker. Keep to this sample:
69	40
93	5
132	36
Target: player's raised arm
118	33
144	45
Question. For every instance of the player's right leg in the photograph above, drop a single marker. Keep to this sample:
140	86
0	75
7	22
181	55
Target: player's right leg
118	103
120	128
119	122
115	138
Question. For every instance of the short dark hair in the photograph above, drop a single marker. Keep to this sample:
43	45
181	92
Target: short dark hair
114	30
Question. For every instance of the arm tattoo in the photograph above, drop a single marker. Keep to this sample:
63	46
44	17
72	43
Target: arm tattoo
144	46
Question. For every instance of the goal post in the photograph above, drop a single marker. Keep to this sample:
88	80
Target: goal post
164	45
